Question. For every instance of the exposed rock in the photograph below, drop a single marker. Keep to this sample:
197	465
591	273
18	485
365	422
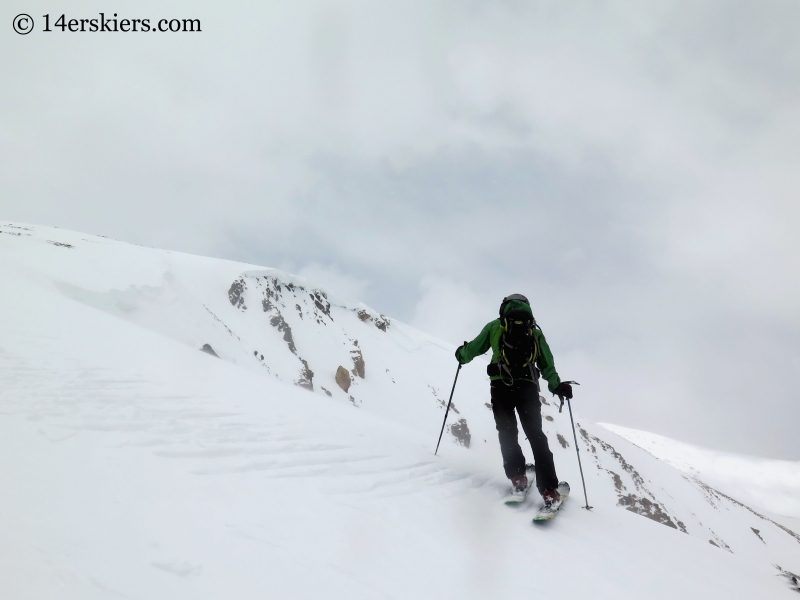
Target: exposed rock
758	533
343	378
358	362
711	495
617	481
321	302
792	578
638	480
62	244
208	350
272	293
260	358
460	431
441	401
274	296
380	321
548	417
218	320
717	541
564	443
236	293
306	376
651	510
281	325
326	391
648	507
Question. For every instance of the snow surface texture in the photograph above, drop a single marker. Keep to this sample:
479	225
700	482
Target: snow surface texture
770	484
175	426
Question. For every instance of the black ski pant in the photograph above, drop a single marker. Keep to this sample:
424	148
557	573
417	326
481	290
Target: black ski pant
524	397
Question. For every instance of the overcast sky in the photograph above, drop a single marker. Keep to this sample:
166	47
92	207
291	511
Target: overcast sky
631	167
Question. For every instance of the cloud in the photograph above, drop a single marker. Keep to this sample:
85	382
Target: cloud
332	278
450	310
631	169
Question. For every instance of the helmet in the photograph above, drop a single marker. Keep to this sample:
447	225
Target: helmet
508	299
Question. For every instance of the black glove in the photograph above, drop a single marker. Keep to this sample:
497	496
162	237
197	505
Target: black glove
563	389
458	351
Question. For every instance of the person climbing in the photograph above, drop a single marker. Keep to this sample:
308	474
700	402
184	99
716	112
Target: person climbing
519	355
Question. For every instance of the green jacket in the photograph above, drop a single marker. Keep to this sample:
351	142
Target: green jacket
489	337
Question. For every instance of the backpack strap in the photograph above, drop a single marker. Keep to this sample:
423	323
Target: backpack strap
502	368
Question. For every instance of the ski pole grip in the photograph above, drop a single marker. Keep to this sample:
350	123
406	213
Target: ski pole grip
561	407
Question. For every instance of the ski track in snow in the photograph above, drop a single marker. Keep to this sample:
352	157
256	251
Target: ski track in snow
192	428
139	467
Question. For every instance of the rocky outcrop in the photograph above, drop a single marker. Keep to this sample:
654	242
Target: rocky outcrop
646	503
236	293
306	379
460	431
380	321
319	308
321	303
208	350
648	508
279	323
273	301
358	362
343	378
792	578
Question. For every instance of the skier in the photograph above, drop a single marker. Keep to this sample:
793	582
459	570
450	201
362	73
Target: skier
519	354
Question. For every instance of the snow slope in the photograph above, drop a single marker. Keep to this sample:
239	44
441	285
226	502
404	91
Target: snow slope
135	465
773	485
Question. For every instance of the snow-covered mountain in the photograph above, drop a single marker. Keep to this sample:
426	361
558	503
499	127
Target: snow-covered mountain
773	485
174	426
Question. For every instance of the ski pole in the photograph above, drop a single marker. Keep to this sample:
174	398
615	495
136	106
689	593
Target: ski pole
448	409
577	450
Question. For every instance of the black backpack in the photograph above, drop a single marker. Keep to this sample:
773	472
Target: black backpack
518	347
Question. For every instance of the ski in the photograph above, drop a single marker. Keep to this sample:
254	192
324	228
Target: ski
519	498
545	513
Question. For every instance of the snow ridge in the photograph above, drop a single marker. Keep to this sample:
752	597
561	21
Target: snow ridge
233	428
